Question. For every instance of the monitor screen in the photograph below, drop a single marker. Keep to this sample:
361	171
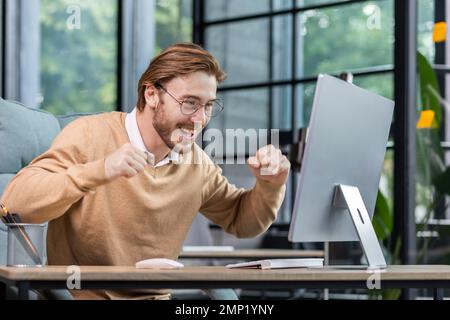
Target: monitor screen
346	144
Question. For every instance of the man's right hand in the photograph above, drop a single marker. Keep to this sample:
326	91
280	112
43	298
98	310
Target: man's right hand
126	162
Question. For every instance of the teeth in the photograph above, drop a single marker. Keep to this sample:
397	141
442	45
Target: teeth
187	132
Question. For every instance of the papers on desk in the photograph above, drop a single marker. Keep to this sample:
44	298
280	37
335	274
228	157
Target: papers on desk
208	248
280	263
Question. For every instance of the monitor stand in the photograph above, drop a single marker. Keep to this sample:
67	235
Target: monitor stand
350	198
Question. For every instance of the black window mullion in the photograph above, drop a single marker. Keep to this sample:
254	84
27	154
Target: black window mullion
198	33
294	72
271	30
282	12
439	59
294	94
297	81
120	44
404	133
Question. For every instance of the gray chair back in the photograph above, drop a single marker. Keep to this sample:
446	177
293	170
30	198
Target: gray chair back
25	133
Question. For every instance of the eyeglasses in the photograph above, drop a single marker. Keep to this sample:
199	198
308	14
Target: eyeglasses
190	105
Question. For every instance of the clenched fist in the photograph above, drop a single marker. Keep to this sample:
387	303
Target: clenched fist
126	162
270	165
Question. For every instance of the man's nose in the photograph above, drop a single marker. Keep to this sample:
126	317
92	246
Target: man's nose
199	117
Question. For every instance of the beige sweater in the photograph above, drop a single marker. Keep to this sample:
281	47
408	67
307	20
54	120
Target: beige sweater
93	222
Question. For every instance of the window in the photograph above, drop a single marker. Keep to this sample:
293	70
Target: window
425	26
79	55
272	67
347	37
173	22
220	9
79	58
242	49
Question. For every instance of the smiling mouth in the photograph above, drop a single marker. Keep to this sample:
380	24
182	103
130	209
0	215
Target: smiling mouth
187	133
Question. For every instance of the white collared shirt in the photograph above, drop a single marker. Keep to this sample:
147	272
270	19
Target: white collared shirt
136	140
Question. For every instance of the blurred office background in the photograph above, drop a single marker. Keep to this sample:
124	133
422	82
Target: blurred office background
71	56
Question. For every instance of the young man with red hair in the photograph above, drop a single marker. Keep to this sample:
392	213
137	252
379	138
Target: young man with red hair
118	188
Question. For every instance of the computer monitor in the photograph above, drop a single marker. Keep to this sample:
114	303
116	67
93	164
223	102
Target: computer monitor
341	167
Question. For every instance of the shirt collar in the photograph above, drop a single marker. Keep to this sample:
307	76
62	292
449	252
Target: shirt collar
136	140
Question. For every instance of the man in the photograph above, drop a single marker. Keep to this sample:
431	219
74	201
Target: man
118	188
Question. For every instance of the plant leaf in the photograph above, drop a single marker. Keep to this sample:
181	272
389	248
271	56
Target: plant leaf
430	156
382	219
442	182
429	88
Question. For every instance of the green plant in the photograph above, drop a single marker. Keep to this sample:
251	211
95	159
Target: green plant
433	177
433	182
383	219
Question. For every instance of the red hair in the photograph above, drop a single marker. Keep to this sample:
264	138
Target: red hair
180	59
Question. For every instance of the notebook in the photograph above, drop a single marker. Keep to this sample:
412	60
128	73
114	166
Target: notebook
280	263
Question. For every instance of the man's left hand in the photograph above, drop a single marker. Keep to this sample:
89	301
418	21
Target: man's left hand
269	164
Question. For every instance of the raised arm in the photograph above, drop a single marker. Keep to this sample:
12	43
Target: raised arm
245	213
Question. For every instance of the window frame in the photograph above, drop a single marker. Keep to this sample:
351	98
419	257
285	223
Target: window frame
405	78
135	17
201	24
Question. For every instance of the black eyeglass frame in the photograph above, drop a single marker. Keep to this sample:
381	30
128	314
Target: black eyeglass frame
198	106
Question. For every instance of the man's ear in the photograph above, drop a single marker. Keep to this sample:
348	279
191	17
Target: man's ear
151	96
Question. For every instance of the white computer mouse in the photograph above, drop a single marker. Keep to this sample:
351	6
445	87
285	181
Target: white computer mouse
158	263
